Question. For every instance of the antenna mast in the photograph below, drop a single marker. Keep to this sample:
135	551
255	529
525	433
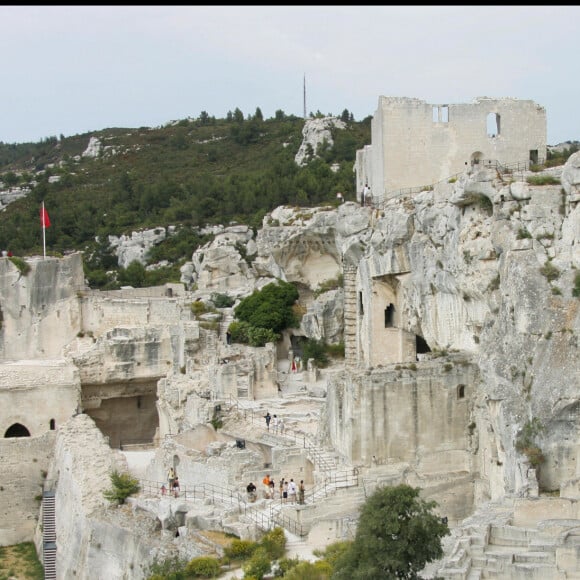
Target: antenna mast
304	97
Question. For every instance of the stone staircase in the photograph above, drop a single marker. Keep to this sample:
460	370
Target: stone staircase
49	534
504	552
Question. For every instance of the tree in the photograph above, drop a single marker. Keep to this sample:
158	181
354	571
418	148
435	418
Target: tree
123	485
397	535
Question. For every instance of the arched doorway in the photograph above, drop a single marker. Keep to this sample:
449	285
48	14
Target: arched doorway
17	430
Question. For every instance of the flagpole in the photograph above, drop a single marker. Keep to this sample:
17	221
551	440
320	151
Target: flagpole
43	232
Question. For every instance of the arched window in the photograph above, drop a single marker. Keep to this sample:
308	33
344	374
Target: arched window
17	430
461	391
389	316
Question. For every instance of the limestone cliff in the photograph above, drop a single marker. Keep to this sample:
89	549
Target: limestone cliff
458	307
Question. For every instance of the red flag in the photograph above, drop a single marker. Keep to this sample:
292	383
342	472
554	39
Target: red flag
44	219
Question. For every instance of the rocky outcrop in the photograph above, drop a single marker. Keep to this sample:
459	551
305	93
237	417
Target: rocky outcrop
314	134
459	312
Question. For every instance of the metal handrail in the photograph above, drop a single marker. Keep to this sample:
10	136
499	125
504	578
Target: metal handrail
487	163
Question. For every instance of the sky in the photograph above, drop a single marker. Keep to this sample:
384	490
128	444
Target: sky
71	70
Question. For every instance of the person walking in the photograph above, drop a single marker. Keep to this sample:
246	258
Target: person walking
251	489
281	489
301	492
266	484
292	491
281	425
268	419
170	477
285	492
272	489
275	424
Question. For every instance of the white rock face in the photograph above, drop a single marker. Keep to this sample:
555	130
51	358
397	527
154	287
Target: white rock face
135	248
314	133
93	149
460	324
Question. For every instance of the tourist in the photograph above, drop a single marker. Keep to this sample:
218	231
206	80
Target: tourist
301	491
176	486
292	491
285	492
268	419
251	489
281	489
272	489
275	423
266	483
281	425
170	477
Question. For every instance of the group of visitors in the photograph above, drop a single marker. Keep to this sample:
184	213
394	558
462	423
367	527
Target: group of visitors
173	483
277	423
288	491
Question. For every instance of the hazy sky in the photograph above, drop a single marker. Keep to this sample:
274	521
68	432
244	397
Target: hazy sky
70	70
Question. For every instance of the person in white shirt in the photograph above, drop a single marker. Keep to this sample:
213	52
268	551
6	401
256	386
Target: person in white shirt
292	491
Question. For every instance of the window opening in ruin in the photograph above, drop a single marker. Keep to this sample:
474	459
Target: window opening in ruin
389	316
360	304
421	345
440	114
534	156
138	402
461	391
493	124
52	424
17	430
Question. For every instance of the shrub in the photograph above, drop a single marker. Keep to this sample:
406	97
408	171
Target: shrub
124	485
270	307
240	332
542	180
525	442
23	267
328	285
258	565
240	549
523	234
198	307
335	350
550	271
274	542
222	300
576	289
315	349
260	336
203	567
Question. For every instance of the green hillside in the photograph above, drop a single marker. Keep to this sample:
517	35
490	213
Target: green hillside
187	174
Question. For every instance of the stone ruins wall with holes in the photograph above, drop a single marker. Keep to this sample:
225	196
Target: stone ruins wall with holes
414	143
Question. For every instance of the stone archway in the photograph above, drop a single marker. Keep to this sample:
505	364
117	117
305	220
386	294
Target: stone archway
17	430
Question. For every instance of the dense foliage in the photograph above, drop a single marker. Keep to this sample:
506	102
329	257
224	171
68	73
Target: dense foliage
256	559
264	314
187	174
397	534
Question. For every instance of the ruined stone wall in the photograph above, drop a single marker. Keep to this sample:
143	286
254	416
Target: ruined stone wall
420	148
100	313
389	414
24	463
40	309
417	417
34	393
